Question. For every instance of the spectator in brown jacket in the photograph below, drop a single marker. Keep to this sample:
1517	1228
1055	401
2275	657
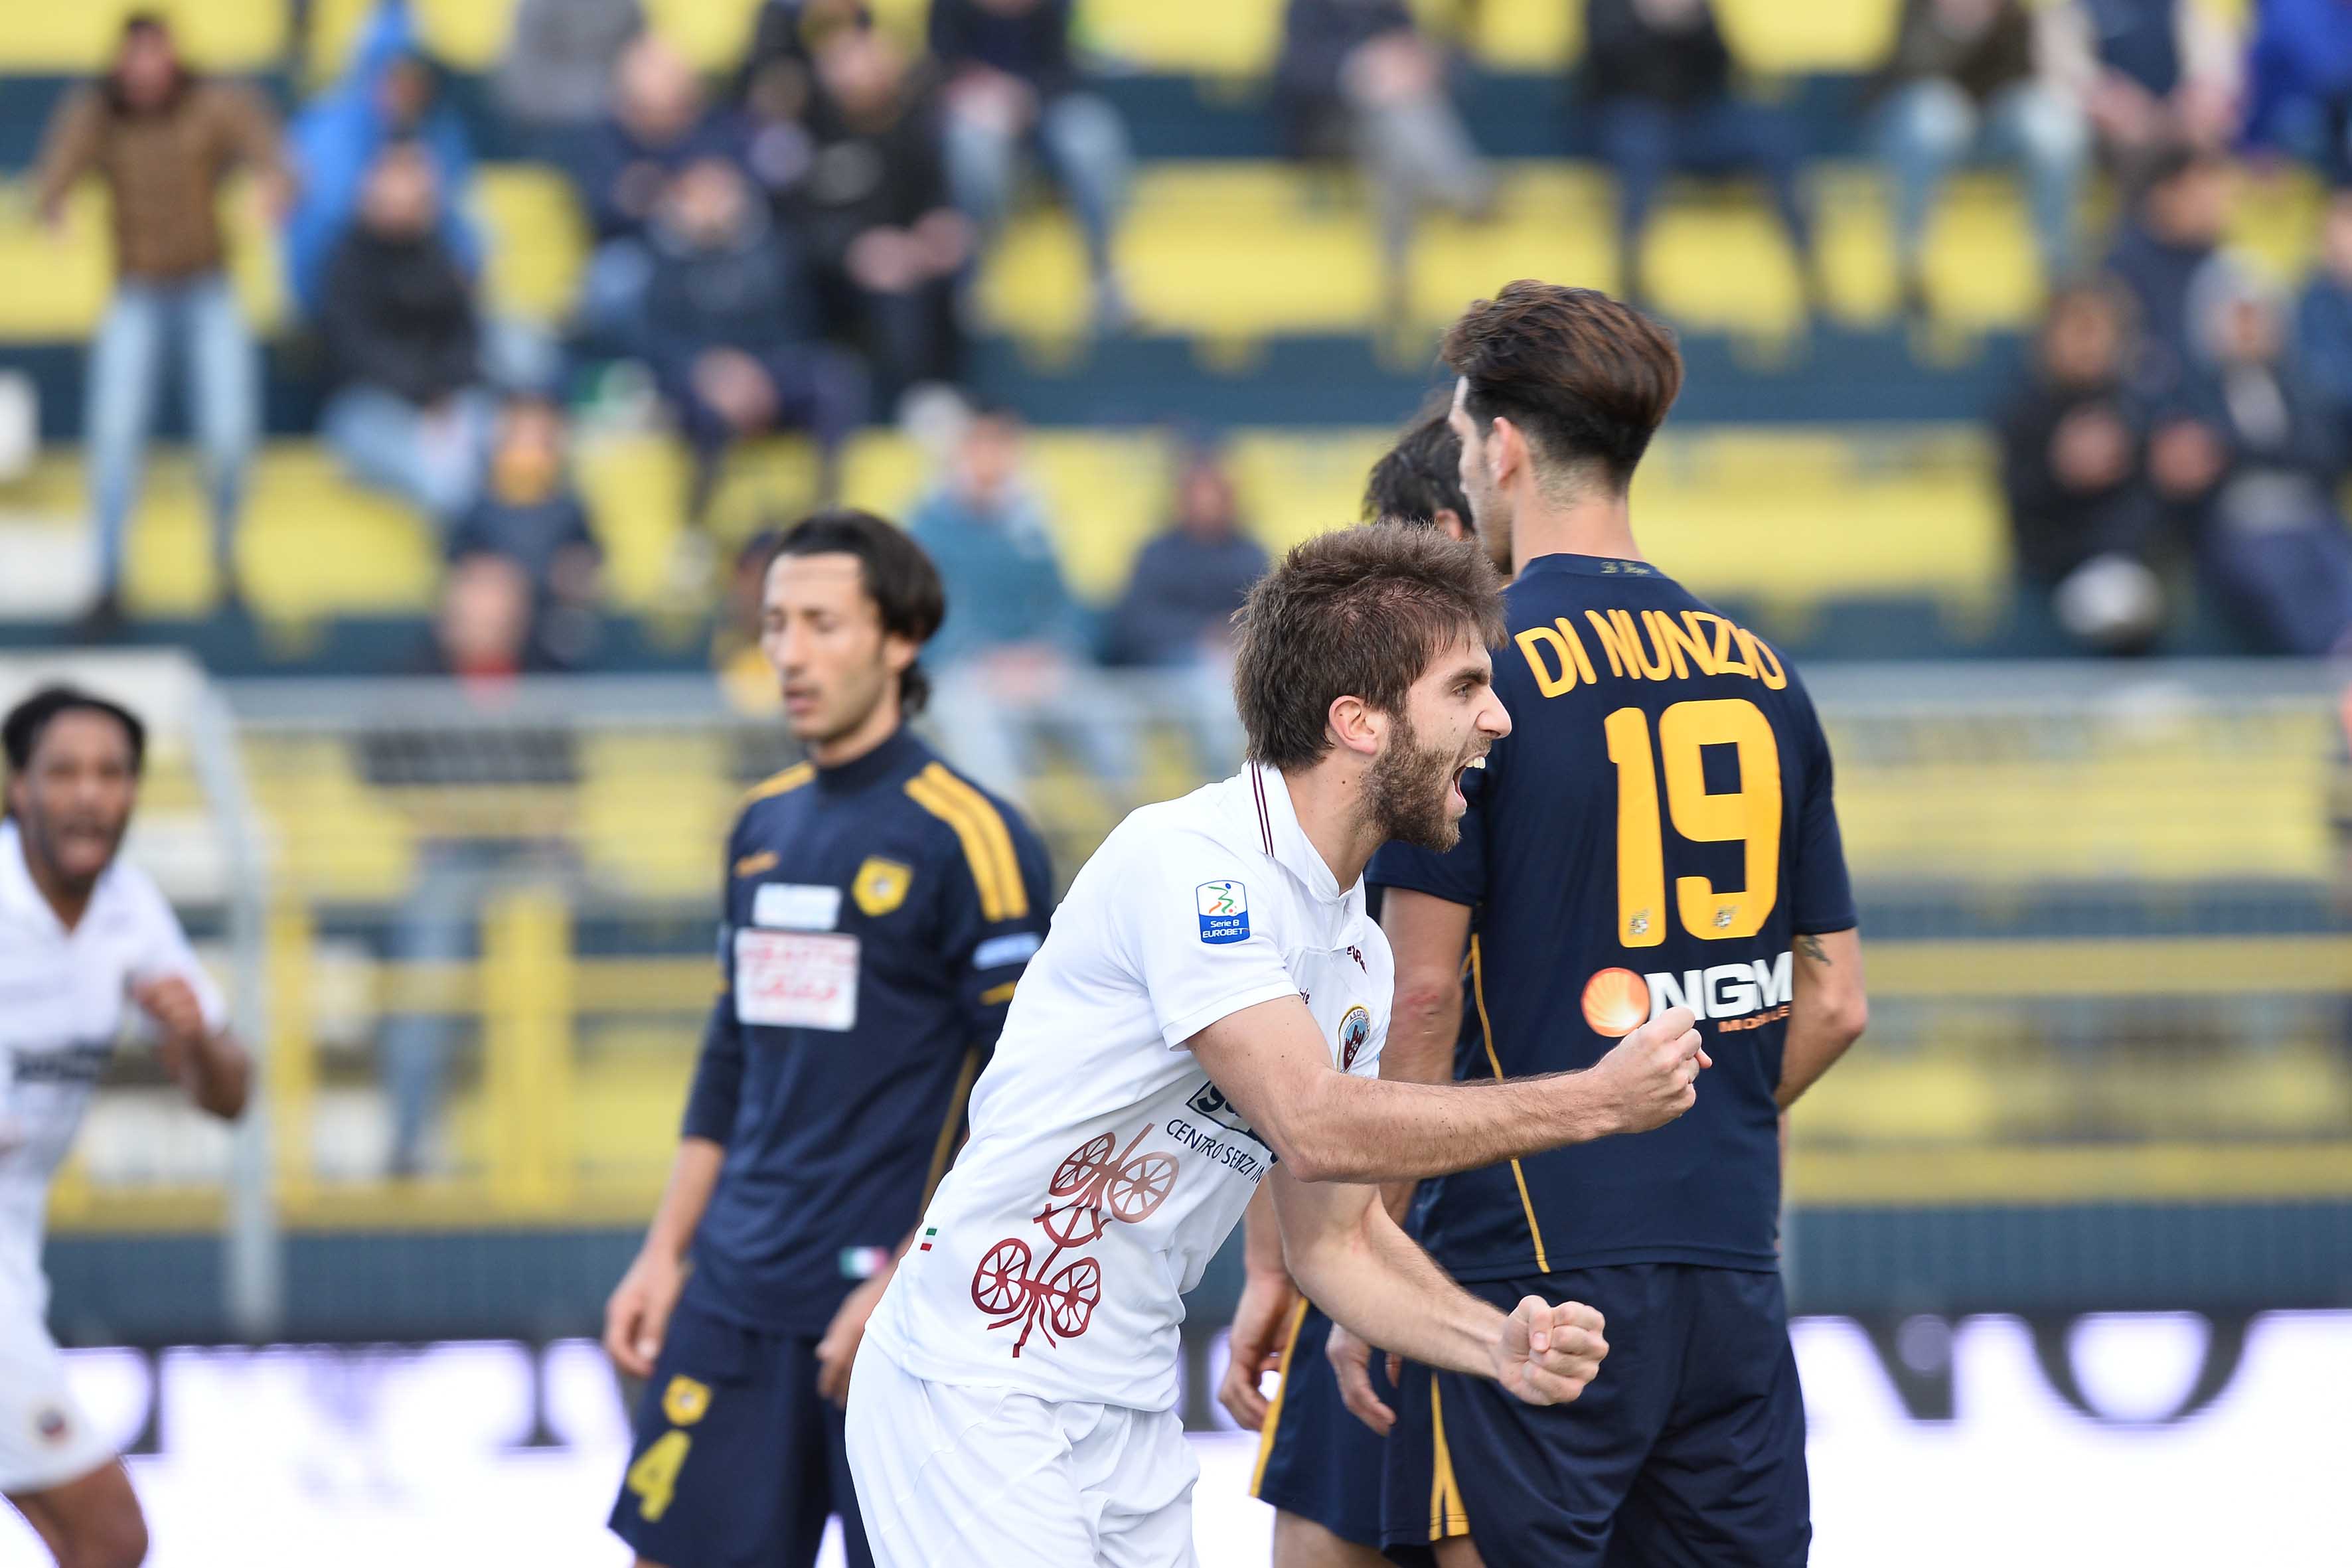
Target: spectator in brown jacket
164	140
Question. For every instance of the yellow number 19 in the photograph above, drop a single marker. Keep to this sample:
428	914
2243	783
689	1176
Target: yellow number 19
1749	814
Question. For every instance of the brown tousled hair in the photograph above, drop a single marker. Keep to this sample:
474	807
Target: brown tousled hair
1356	612
1587	379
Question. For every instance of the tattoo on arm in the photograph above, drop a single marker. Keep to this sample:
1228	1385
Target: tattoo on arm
1814	948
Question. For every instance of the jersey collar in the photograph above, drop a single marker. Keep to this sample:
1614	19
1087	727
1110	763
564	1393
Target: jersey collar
1267	795
1591	566
899	752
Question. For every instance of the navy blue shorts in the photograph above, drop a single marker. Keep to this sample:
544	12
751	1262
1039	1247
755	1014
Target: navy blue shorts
1315	1458
737	1460
1686	1451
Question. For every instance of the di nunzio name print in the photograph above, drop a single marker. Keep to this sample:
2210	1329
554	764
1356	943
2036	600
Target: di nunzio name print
1655	646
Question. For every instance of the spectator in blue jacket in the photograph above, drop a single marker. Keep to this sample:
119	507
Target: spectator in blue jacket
986	528
1011	81
2300	83
389	92
728	329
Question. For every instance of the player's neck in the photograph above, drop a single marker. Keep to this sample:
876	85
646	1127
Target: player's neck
1329	801
877	727
1593	525
67	899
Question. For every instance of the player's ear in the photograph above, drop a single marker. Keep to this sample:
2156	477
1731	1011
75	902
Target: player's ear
1506	449
1355	727
898	651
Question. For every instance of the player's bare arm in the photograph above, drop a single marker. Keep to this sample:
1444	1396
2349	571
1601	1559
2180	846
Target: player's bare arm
1329	1126
206	1063
1828	1010
1353	1261
1254	1347
1427	934
636	1316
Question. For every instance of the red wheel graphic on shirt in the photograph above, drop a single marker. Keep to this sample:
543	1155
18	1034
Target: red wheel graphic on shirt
998	1283
1071	1297
1074	1225
1085	1164
1140	1186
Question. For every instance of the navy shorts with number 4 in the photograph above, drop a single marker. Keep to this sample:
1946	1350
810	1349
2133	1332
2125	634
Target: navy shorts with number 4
1686	1451
737	1460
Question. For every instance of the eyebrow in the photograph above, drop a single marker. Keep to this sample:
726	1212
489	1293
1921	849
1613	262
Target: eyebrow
1476	674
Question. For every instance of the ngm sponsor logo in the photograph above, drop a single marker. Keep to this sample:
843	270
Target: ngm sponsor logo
1732	995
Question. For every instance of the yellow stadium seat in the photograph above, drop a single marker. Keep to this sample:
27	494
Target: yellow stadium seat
1202	37
235	35
327	835
535	240
662	854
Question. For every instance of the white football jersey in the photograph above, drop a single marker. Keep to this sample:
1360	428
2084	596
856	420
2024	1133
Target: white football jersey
64	1001
1104	1169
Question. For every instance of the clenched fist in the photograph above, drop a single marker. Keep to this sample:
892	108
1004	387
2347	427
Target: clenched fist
1651	1077
1547	1353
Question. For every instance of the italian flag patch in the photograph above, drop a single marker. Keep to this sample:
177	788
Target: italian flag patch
929	1232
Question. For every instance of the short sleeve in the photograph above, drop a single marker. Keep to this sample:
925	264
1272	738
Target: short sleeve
1821	895
995	903
1458	875
1182	910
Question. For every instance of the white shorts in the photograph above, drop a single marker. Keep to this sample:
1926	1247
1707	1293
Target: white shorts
996	1478
45	1438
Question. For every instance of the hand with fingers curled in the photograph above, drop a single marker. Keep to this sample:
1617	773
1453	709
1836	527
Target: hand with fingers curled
1651	1076
1350	1359
1547	1354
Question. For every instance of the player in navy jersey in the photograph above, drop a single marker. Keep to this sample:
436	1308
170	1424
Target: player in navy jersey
879	909
1318	1465
1658	830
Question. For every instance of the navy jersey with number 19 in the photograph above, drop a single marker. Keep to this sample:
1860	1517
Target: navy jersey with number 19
1656	830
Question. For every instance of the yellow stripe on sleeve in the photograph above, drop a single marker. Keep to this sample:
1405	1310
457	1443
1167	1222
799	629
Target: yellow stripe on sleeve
925	792
1274	1410
784	783
996	993
1486	1032
993	832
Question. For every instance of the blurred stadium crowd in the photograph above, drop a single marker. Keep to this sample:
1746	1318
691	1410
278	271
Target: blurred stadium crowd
488	338
821	223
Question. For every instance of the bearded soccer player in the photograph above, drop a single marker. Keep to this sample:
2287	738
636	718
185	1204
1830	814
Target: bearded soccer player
1207	1014
87	943
879	909
1657	833
1318	1465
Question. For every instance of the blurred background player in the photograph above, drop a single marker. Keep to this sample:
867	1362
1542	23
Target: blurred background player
87	944
1318	1465
880	911
1578	876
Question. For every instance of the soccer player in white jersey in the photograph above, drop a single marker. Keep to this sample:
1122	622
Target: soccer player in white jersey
87	943
1207	1012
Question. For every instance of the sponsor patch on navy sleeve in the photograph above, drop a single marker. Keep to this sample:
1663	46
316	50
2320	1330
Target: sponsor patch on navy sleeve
999	950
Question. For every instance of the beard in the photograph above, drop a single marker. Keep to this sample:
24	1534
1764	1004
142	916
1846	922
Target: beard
1408	789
